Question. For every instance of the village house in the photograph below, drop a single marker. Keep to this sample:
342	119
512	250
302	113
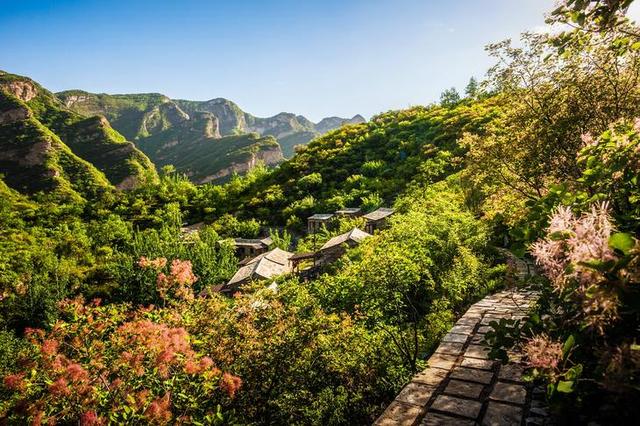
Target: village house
251	247
264	266
336	246
349	212
377	219
317	221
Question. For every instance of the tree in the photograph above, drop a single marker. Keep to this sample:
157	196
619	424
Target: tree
550	102
450	98
473	89
586	18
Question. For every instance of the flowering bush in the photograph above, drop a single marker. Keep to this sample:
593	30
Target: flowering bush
587	339
176	284
578	258
114	365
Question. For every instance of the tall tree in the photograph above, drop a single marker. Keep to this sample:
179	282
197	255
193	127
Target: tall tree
450	98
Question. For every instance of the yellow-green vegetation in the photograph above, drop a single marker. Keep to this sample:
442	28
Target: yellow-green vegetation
109	310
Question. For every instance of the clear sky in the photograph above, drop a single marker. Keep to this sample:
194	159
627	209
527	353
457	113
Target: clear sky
311	57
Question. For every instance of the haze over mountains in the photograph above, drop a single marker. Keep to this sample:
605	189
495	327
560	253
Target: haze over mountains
79	142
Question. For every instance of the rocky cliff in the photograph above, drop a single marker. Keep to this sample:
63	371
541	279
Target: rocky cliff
143	116
46	146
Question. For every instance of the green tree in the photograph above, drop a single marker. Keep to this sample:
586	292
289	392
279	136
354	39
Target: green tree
450	98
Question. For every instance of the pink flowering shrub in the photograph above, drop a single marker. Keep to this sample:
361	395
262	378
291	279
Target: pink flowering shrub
115	365
571	256
174	284
543	353
594	276
578	257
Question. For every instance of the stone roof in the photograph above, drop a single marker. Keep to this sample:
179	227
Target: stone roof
255	243
267	265
321	216
355	235
348	210
302	256
381	213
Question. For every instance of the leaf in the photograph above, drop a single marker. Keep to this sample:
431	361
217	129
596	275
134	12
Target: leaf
621	241
574	372
568	344
565	386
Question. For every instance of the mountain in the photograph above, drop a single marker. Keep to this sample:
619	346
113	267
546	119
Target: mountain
330	123
196	149
142	115
46	147
362	165
289	129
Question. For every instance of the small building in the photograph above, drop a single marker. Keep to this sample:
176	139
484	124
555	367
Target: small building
336	246
349	212
377	219
317	221
251	247
264	266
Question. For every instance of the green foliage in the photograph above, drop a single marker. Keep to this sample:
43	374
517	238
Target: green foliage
359	165
282	240
410	280
80	143
450	98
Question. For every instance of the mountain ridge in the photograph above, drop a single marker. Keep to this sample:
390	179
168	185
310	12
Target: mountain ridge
289	128
47	147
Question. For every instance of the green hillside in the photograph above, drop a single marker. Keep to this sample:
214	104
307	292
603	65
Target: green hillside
91	139
133	116
193	150
114	309
365	164
34	159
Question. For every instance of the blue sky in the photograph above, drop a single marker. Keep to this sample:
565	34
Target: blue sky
311	57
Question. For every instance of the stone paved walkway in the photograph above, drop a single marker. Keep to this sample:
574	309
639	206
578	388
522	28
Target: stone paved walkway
461	385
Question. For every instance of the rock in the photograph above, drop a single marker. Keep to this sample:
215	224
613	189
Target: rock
21	89
13	115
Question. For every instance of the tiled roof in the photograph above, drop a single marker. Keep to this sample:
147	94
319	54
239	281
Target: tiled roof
266	265
381	213
354	235
348	210
321	216
255	243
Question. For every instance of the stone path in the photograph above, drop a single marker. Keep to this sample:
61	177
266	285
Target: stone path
461	385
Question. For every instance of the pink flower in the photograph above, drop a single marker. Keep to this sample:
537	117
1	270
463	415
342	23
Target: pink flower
158	411
190	367
76	373
230	384
49	347
60	387
14	382
587	139
90	418
573	241
543	353
206	363
181	271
